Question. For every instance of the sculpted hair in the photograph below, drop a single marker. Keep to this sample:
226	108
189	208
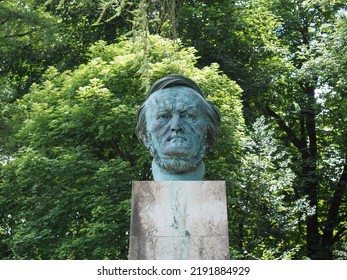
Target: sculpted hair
213	115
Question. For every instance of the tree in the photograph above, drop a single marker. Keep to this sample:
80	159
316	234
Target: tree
65	192
268	214
276	51
287	56
37	34
302	30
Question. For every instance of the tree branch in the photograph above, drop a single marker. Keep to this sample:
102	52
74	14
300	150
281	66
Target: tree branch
333	214
300	145
20	34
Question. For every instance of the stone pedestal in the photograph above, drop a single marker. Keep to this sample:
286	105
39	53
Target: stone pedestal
179	220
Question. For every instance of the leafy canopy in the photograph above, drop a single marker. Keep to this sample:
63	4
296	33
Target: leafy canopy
65	192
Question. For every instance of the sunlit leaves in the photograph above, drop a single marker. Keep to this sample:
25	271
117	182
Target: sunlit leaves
67	187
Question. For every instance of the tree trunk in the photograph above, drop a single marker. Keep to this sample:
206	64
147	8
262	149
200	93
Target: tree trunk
306	144
333	214
310	176
310	188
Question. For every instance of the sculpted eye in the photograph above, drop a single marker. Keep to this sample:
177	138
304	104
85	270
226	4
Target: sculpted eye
163	116
188	116
191	116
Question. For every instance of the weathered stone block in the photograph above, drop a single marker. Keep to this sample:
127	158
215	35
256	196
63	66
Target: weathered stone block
179	220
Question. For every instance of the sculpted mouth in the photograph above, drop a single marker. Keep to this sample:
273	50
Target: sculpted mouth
176	137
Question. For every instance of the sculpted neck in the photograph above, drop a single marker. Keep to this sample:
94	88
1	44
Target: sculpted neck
160	174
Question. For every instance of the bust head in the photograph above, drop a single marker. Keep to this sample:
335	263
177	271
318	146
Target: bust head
177	124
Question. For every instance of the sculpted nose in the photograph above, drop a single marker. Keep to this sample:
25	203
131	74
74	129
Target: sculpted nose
176	124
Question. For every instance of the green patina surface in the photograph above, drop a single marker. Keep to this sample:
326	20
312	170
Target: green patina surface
177	124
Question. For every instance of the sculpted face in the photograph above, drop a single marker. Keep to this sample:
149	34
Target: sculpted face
177	128
177	124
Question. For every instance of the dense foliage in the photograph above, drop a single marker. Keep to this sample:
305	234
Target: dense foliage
65	192
289	59
73	74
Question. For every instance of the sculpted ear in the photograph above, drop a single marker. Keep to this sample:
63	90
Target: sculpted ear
141	126
146	140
